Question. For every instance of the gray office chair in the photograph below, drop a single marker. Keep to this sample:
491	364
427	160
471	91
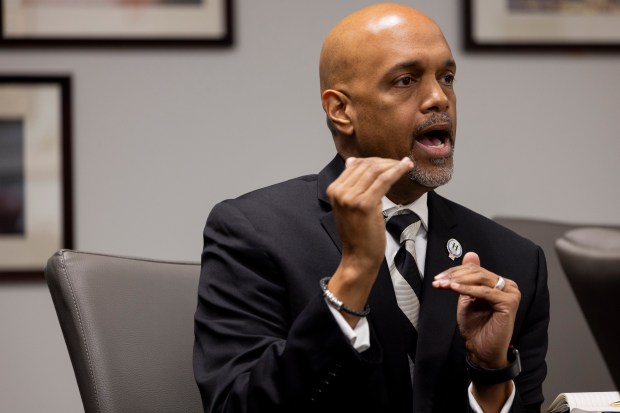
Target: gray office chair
569	333
591	260
128	325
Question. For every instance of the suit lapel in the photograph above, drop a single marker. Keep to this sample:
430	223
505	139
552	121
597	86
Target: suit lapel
326	177
438	315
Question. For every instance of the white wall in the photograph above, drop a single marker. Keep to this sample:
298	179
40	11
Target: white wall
162	135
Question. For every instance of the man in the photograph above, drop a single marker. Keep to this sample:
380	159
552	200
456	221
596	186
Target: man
269	339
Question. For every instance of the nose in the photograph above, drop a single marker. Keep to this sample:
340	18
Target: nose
434	97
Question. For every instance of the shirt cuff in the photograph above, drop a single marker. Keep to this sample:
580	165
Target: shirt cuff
476	407
359	337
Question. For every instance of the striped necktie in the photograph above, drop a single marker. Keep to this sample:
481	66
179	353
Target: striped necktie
404	271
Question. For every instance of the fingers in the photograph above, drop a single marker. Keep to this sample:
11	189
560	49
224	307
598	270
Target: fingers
373	175
366	180
471	258
475	281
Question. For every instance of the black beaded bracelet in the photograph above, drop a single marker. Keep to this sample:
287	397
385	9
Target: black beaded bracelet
495	376
337	304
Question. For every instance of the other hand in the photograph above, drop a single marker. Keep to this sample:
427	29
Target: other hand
485	314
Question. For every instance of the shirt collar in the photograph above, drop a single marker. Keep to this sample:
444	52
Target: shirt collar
419	206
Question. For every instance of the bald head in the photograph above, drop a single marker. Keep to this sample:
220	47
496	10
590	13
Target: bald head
387	77
346	50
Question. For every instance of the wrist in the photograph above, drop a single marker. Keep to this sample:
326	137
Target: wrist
338	304
352	285
487	376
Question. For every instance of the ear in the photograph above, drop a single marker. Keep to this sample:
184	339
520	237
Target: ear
336	106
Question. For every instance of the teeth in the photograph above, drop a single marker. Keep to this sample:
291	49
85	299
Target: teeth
432	142
436	143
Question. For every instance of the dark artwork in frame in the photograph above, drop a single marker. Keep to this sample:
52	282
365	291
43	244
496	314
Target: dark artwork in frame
36	205
11	176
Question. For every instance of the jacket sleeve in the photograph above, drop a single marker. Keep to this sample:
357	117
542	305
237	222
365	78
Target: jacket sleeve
532	344
251	354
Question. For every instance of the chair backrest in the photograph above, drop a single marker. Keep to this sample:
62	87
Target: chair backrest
128	325
574	361
591	260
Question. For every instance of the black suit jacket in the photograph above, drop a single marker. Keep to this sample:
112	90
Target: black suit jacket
267	342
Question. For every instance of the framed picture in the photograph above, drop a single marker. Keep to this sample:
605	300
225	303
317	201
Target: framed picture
35	173
561	25
115	23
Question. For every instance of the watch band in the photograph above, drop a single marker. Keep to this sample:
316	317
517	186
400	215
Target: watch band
495	376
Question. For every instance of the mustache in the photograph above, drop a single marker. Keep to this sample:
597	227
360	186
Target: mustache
435	119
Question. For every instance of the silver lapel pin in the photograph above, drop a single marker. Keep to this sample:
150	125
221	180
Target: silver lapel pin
454	249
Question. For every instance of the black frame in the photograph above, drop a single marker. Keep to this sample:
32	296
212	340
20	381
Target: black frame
474	46
63	82
116	42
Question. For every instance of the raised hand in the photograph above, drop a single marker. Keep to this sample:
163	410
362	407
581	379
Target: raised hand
356	201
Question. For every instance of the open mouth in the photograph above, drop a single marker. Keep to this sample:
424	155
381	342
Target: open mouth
435	137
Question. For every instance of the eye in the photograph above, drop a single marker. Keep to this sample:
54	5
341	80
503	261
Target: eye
448	80
404	81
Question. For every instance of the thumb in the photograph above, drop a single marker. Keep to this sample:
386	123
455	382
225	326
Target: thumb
471	258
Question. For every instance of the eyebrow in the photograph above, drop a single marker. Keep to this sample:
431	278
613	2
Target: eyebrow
413	64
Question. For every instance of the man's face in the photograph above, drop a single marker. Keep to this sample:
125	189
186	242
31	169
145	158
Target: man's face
402	100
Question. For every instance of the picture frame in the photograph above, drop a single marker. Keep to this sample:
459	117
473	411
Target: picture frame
116	23
549	25
36	209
